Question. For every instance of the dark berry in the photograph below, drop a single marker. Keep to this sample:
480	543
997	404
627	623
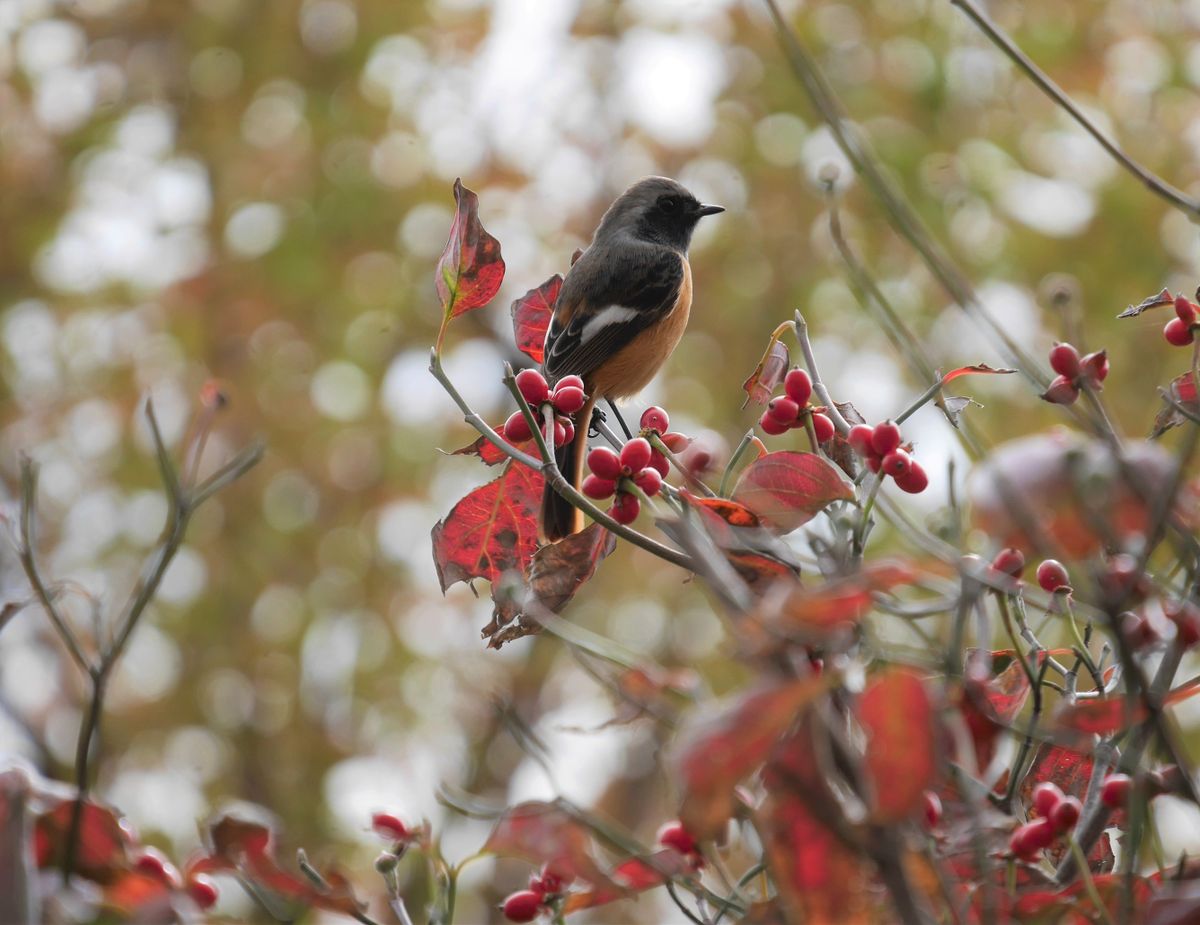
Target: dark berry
1052	576
655	419
1065	814
885	438
605	463
594	486
516	428
933	808
532	385
823	428
798	386
568	399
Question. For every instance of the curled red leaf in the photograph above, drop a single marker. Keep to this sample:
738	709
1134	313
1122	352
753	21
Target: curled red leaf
471	269
531	317
787	489
767	374
974	370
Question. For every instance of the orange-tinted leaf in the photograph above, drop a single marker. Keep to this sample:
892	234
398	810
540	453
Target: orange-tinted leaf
901	763
787	489
139	896
545	833
486	450
717	750
767	374
973	370
731	512
471	269
633	876
104	840
491	531
531	317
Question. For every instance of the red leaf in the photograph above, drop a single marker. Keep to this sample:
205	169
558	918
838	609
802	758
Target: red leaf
633	876
140	897
991	707
718	750
787	489
972	370
492	530
901	754
486	450
1112	714
767	374
103	847
545	833
531	317
471	269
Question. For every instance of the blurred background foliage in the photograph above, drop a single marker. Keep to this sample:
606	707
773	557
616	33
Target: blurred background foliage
257	193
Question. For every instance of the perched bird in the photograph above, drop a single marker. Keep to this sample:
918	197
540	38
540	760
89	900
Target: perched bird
621	311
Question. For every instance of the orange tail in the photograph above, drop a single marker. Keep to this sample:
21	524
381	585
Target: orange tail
559	517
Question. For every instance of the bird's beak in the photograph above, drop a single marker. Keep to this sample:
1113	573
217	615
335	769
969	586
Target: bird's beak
709	210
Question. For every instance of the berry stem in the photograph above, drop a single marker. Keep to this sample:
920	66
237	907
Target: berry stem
656	442
1081	647
744	445
860	528
810	360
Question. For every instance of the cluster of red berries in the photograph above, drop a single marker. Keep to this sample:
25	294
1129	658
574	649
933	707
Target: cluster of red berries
791	408
880	447
1180	330
527	905
567	398
1074	372
616	474
655	422
1057	814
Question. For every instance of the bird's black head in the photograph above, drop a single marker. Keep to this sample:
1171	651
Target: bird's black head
655	209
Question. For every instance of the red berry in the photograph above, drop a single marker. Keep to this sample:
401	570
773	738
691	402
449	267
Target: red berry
660	463
564	431
568	399
933	808
1178	332
1062	391
153	863
523	906
1031	838
1186	618
771	426
532	385
203	891
390	827
859	439
649	481
655	419
1065	814
625	509
798	386
1010	561
674	835
1046	796
896	463
605	463
599	488
885	438
1114	792
823	428
635	455
676	443
874	462
516	428
569	381
1052	576
783	410
1095	367
1138	630
1185	310
546	883
1064	360
914	481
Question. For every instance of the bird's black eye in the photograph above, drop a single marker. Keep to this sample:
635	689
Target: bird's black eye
668	204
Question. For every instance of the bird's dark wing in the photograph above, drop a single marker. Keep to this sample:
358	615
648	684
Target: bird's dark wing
601	308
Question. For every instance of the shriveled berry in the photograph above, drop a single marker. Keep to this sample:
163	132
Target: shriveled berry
649	481
1178	332
605	463
885	437
1094	367
798	386
859	439
896	463
532	385
655	419
1052	576
674	835
1046	796
203	891
523	906
635	455
1031	838
1062	391
516	428
388	826
568	399
595	486
1185	310
933	808
783	410
569	381
1065	814
1114	792
1064	360
771	426
1010	561
914	481
823	428
625	509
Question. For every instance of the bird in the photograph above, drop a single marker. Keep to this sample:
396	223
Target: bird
619	315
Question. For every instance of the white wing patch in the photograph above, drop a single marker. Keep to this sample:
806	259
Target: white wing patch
613	314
